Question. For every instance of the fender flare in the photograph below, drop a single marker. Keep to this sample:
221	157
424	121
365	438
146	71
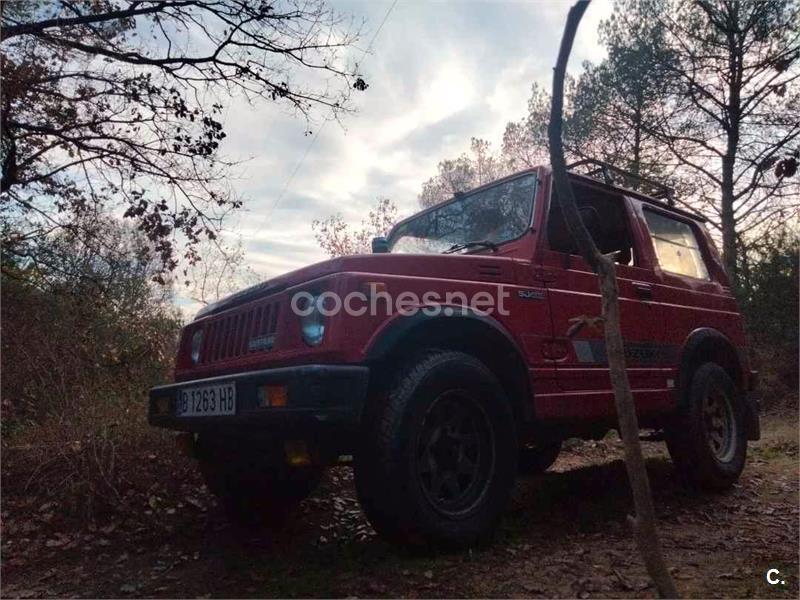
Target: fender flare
689	358
392	334
388	335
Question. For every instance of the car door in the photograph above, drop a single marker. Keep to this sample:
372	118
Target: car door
573	293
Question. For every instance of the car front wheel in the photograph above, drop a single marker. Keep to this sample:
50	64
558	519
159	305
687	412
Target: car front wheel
438	454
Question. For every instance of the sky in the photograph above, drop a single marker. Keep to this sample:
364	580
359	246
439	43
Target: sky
439	73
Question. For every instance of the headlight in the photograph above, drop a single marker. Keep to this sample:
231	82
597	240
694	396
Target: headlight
312	324
197	344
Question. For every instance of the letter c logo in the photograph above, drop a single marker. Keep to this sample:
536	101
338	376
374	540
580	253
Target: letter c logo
773	580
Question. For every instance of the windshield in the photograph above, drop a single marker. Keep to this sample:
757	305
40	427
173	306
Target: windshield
497	214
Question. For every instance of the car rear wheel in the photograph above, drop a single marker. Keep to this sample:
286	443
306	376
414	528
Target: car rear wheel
438	454
707	439
255	489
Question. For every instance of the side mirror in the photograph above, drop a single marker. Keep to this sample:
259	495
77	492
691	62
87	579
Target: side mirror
380	245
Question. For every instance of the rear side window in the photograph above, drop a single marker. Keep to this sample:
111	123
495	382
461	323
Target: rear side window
605	217
676	246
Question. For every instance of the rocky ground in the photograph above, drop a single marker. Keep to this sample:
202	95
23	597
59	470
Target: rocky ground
565	536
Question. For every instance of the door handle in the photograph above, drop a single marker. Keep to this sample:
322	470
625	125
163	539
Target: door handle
643	290
544	274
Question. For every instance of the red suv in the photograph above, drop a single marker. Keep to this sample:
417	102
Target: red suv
446	362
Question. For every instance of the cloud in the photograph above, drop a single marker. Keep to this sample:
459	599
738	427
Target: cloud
439	74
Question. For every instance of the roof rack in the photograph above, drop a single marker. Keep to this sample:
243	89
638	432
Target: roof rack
612	175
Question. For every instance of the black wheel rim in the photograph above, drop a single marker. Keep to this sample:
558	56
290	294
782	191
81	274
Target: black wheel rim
455	453
719	424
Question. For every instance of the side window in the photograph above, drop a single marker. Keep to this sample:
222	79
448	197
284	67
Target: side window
606	219
676	246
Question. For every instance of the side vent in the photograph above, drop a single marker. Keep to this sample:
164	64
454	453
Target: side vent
489	272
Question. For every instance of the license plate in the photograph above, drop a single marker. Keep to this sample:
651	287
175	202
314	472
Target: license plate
207	400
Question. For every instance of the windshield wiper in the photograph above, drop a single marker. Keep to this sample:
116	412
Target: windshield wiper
485	243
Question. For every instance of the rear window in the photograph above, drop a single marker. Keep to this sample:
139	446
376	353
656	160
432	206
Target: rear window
676	246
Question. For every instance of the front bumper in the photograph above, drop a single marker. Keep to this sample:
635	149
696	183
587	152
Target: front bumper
317	394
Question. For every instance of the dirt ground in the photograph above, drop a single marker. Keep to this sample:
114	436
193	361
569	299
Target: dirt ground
565	536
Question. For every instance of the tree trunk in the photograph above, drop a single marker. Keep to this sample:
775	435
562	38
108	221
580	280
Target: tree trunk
644	523
734	109
728	222
636	167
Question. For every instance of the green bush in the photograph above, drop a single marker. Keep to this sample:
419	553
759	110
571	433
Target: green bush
84	337
768	296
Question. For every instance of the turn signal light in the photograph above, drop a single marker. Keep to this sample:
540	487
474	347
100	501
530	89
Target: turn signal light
297	454
272	396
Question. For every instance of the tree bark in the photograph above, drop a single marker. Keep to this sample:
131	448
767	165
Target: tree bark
644	523
732	129
636	167
728	222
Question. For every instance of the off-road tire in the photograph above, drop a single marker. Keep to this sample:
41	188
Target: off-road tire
409	479
707	439
255	492
536	459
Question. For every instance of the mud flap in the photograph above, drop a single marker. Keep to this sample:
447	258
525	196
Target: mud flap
752	422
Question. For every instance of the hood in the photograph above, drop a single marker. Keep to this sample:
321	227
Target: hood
480	267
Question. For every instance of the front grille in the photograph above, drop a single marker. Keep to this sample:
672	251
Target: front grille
230	336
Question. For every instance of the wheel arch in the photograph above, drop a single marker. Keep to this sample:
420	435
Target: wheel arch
708	345
467	331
